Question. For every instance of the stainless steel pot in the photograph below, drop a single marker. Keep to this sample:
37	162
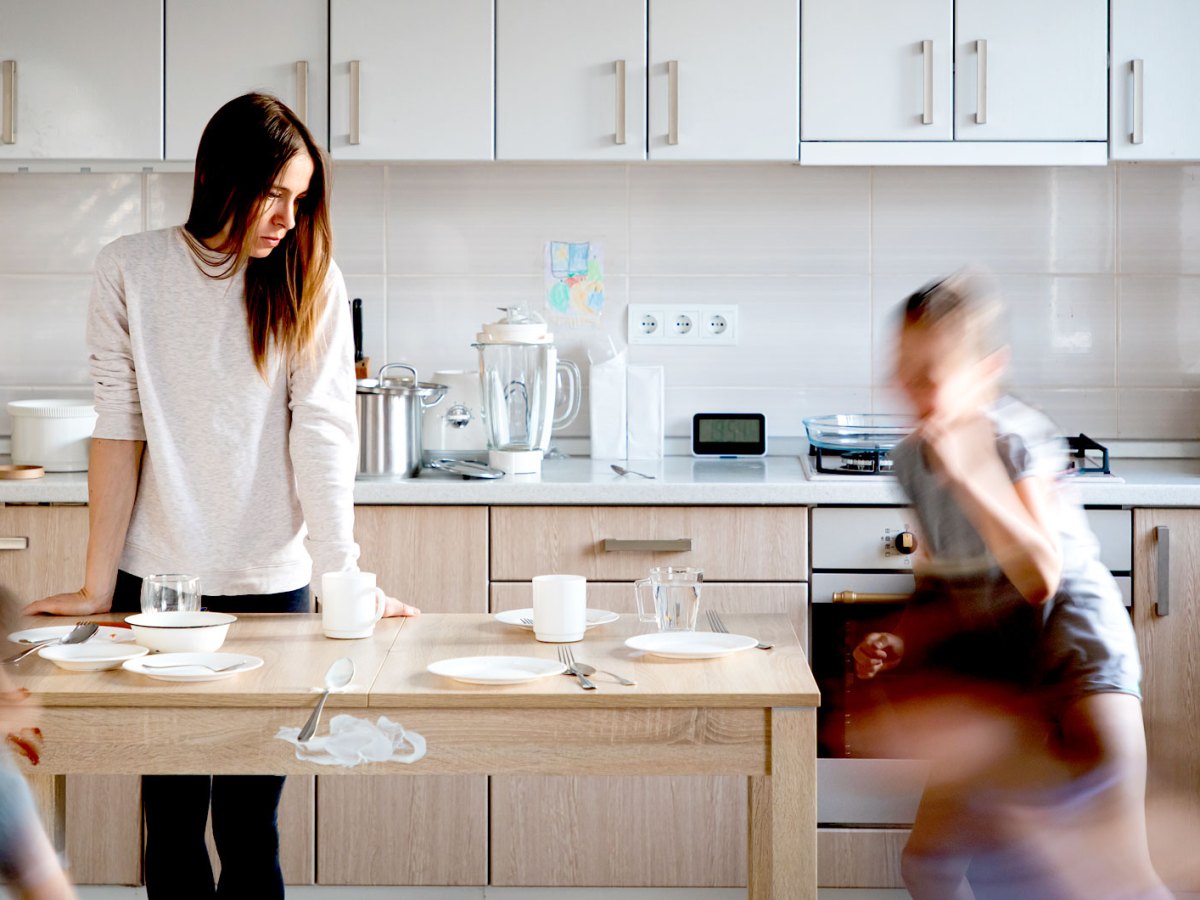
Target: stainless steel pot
389	422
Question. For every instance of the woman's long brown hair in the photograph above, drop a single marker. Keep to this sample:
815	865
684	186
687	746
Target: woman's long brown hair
244	148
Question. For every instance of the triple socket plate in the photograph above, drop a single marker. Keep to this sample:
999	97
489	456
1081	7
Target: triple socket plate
679	324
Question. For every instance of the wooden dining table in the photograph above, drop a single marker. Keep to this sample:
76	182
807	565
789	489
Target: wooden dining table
752	714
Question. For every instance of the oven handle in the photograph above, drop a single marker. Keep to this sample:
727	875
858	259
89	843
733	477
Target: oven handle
856	597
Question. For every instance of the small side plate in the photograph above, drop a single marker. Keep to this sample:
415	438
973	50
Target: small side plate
691	644
514	616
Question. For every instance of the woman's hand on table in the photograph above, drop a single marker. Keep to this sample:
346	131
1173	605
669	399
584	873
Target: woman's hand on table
394	607
75	603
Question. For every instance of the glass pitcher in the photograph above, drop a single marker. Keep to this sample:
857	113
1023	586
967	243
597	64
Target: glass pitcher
674	597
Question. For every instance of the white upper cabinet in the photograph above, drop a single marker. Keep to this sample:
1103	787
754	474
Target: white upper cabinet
724	79
1154	79
872	71
220	49
410	79
81	80
1028	70
570	79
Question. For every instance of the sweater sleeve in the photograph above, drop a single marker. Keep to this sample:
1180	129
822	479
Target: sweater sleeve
323	438
110	353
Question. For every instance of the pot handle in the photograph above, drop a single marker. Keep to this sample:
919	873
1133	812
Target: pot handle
574	395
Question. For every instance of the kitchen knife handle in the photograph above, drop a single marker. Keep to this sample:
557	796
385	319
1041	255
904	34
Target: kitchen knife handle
356	324
8	131
678	545
1162	606
620	73
981	83
1136	66
927	82
355	100
673	102
302	90
14	543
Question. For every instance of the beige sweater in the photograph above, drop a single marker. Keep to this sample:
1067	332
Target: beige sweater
234	465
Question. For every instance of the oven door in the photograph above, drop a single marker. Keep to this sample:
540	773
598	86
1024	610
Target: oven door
855	784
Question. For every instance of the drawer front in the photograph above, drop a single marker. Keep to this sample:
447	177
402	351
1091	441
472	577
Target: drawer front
860	857
621	543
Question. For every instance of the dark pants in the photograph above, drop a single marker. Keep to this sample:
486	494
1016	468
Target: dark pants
245	808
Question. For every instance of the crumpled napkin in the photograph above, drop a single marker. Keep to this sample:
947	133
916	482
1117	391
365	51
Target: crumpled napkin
352	741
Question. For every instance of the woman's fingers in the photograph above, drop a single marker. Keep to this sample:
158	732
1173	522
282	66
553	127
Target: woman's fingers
394	607
72	604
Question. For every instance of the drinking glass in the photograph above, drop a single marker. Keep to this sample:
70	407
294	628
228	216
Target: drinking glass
170	593
675	595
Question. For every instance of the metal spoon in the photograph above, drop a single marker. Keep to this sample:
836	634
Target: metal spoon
80	633
621	470
591	670
340	674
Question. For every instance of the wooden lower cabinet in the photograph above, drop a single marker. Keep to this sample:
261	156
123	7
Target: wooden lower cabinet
1166	641
860	857
657	831
412	831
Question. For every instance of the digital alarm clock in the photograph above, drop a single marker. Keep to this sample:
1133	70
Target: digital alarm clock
729	435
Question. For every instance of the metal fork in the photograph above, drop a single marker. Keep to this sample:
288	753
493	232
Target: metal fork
567	658
715	623
228	667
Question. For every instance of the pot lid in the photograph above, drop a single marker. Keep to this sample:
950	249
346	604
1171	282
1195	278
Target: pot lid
519	326
395	383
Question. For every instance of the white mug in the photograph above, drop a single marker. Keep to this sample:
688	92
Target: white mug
559	608
351	604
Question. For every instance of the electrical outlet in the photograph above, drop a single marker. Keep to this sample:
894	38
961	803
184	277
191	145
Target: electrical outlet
679	324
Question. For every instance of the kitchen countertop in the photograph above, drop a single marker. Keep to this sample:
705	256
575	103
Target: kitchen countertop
775	480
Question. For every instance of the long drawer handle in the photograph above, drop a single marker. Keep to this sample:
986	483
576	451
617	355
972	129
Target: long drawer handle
927	82
678	545
855	597
1137	67
673	102
355	100
981	83
8	131
620	73
1162	606
11	543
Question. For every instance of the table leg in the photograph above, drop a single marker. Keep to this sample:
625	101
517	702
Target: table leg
50	793
782	861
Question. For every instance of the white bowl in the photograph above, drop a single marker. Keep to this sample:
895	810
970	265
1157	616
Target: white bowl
91	656
181	632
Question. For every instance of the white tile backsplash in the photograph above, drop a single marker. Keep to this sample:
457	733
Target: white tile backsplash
815	259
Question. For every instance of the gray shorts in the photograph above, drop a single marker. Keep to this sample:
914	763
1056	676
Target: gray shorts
1088	644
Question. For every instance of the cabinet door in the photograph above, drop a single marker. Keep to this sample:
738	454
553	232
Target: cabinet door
396	831
735	93
1026	70
1166	641
1155	70
636	830
103	813
410	79
865	74
88	79
559	87
221	49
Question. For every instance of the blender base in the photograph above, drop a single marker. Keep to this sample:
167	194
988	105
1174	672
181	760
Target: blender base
516	462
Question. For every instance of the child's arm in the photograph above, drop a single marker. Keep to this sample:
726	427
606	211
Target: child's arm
1015	519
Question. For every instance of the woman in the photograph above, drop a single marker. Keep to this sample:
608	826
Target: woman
225	443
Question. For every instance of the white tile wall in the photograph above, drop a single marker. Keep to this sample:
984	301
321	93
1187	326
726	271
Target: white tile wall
1100	268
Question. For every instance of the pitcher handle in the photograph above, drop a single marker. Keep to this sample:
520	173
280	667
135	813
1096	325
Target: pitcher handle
574	394
643	616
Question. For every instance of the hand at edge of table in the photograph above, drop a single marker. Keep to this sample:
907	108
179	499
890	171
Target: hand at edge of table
394	607
73	603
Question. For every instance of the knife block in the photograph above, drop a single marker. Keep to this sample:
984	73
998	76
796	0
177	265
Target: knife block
362	367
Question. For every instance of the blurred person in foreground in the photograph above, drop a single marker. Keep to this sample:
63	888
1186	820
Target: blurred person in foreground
27	860
1017	671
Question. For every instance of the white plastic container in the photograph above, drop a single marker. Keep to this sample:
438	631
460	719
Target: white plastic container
53	434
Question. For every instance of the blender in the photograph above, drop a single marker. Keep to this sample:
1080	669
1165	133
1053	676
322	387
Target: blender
518	370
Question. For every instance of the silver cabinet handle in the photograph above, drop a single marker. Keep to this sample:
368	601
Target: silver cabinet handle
10	543
302	90
1162	606
679	545
8	131
355	99
1136	66
673	102
620	72
858	597
981	83
927	74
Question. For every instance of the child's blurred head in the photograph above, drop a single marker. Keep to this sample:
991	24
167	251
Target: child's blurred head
950	356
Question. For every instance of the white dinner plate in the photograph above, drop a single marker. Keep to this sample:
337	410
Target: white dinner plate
91	656
594	617
189	670
52	632
691	644
497	669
